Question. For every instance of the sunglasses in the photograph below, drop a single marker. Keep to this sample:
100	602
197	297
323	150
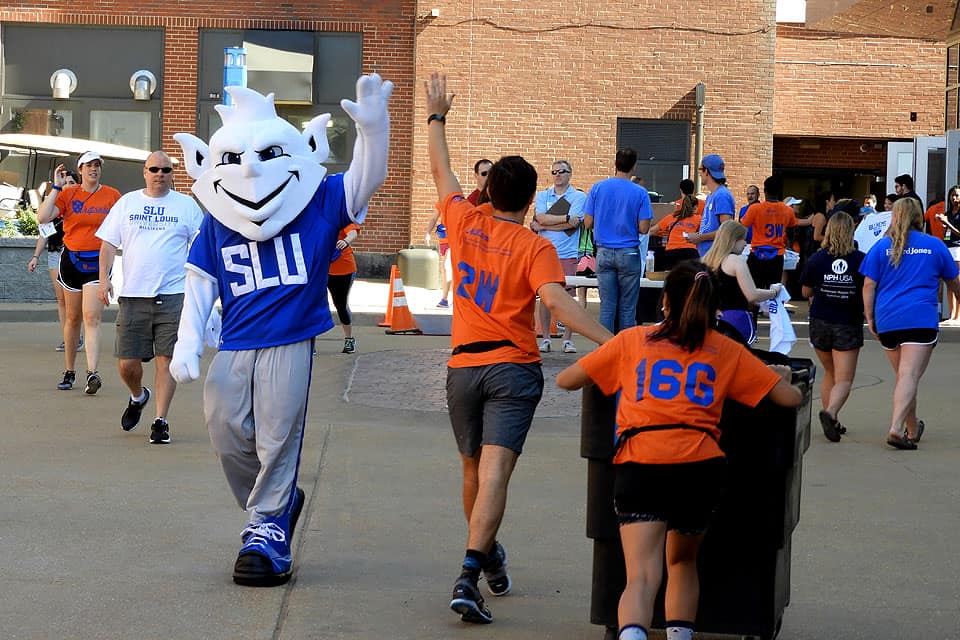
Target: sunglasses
484	173
557	172
158	169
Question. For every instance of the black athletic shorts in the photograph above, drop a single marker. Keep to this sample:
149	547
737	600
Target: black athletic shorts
891	340
78	268
682	495
834	336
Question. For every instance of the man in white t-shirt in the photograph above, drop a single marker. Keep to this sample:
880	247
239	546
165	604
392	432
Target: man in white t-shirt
872	228
155	227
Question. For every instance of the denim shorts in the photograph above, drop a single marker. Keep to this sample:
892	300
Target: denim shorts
493	404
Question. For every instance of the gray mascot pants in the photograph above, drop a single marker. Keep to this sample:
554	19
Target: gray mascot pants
255	403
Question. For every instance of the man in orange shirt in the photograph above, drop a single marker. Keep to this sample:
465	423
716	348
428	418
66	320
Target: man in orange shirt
769	221
494	378
932	223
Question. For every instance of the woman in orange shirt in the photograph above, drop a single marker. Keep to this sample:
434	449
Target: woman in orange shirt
685	220
83	208
673	379
343	271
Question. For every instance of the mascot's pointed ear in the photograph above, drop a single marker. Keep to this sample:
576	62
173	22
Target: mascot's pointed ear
315	135
196	154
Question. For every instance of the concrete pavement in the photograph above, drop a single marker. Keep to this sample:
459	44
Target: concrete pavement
105	536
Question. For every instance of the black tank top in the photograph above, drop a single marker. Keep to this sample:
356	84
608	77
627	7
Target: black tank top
731	297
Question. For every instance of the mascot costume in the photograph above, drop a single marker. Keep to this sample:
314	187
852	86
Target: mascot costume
265	250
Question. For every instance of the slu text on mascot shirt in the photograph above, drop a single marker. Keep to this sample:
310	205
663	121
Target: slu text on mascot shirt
668	385
498	266
288	271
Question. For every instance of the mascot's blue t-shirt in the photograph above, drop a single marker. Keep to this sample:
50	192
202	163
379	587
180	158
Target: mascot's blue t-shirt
287	272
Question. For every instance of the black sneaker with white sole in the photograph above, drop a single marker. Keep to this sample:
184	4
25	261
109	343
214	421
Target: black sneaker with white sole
468	602
495	571
69	377
131	415
93	383
159	432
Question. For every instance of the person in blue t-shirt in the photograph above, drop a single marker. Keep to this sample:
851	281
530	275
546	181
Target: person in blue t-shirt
902	274
720	206
619	212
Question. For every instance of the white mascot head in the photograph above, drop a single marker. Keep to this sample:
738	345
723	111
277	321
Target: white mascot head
259	172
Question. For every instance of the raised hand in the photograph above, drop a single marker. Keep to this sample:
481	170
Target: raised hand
438	100
370	109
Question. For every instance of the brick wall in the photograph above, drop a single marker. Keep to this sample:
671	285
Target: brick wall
388	32
549	80
847	85
834	153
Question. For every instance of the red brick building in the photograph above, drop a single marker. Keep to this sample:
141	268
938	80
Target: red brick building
385	31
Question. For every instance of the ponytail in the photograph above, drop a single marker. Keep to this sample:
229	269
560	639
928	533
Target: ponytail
692	293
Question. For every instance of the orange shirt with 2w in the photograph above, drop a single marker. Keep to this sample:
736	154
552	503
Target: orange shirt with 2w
498	267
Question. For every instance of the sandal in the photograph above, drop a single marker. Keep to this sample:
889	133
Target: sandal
920	427
830	426
902	442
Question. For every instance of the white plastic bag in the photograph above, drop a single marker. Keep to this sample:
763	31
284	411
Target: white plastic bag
782	335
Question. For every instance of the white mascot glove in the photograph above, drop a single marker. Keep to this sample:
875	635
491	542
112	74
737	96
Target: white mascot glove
368	169
198	300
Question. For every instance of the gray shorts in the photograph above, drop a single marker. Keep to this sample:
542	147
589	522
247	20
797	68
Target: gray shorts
147	327
493	404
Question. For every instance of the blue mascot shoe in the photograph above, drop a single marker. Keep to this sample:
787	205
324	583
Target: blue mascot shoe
265	559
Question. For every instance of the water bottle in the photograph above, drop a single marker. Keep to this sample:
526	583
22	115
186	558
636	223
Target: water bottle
650	262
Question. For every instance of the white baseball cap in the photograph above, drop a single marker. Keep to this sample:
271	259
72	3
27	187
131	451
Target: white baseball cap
792	201
88	156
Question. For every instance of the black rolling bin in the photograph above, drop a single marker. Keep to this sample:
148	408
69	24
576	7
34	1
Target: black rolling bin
744	563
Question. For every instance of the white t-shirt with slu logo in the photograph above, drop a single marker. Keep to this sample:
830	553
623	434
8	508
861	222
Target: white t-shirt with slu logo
155	236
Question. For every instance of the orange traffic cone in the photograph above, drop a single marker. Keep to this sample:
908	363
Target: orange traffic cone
388	318
402	320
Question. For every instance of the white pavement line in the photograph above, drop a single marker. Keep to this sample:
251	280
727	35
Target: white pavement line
350	378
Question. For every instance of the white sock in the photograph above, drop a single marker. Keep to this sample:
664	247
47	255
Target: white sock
141	397
679	632
632	632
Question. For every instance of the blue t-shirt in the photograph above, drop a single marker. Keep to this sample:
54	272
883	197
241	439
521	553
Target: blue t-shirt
274	292
719	203
566	244
907	295
838	287
617	206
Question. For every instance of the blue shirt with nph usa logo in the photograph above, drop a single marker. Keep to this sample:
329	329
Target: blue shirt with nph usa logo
274	292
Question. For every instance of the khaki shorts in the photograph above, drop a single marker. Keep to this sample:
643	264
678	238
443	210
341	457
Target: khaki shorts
147	327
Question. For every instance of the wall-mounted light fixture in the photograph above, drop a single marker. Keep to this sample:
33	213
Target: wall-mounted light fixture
143	84
63	82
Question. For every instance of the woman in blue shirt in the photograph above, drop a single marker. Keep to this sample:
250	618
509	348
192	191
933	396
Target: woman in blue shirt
902	273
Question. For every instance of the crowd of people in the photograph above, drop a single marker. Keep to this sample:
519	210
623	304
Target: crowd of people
673	376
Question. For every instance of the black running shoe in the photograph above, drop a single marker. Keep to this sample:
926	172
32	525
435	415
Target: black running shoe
349	345
131	415
69	377
495	571
468	602
160	432
93	383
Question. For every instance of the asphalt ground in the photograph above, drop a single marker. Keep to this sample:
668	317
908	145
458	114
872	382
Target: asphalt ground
106	536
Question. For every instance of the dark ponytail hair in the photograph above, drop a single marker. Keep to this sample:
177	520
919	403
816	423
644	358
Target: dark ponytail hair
688	205
692	293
